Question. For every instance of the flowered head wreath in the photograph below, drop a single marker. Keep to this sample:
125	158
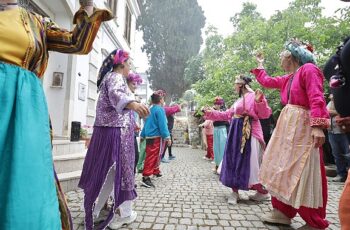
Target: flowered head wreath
135	78
160	93
116	57
219	101
301	51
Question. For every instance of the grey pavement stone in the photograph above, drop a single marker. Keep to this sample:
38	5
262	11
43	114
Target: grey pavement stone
190	196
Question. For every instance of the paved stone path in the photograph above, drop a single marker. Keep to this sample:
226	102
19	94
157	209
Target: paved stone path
190	196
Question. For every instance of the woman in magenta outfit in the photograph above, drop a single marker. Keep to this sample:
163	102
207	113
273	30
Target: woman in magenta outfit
292	169
245	142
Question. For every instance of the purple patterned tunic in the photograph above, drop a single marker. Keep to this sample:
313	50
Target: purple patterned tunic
111	112
112	145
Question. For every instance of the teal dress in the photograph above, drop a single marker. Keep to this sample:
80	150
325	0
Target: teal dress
28	197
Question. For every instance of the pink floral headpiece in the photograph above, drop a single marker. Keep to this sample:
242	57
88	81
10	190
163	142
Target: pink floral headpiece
218	101
160	92
120	57
134	77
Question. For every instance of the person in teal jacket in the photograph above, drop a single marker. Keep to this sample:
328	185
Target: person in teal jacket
155	132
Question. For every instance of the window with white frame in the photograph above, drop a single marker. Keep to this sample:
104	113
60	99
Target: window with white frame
112	5
127	26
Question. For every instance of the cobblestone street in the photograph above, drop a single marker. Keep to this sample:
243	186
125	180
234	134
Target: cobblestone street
190	196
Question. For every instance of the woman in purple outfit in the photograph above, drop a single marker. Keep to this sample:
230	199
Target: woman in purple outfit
109	164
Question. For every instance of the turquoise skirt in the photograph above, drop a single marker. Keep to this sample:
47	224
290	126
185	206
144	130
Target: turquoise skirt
28	197
220	137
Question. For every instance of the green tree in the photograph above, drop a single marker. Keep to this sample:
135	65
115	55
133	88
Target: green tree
224	58
194	70
172	35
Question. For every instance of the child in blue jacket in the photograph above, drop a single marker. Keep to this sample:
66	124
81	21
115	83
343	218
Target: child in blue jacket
155	132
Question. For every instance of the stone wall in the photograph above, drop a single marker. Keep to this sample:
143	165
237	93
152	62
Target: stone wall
180	126
194	130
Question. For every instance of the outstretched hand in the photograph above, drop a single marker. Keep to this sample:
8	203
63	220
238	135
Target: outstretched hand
139	108
260	57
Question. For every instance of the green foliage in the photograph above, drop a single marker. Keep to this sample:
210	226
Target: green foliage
83	133
172	35
224	58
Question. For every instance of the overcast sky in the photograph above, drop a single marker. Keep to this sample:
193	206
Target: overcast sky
219	12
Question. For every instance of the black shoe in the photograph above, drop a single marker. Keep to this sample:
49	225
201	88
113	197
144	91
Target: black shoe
158	175
146	182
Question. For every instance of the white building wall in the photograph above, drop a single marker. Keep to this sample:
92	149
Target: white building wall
64	103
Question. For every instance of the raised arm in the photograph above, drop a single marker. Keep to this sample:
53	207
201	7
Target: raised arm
80	40
170	110
269	82
219	115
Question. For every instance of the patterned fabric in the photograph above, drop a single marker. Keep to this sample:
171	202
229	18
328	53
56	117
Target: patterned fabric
246	130
46	36
319	122
114	96
301	52
111	148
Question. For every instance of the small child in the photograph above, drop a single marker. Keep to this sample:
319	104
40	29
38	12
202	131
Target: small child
155	132
208	128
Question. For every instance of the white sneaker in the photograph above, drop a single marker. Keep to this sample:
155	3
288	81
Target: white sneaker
233	199
259	196
276	217
119	222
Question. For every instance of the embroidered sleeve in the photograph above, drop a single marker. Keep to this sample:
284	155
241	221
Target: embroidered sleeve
313	81
319	122
80	40
117	94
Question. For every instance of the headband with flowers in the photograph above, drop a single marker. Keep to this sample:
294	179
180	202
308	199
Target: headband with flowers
120	57
160	92
135	78
218	101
